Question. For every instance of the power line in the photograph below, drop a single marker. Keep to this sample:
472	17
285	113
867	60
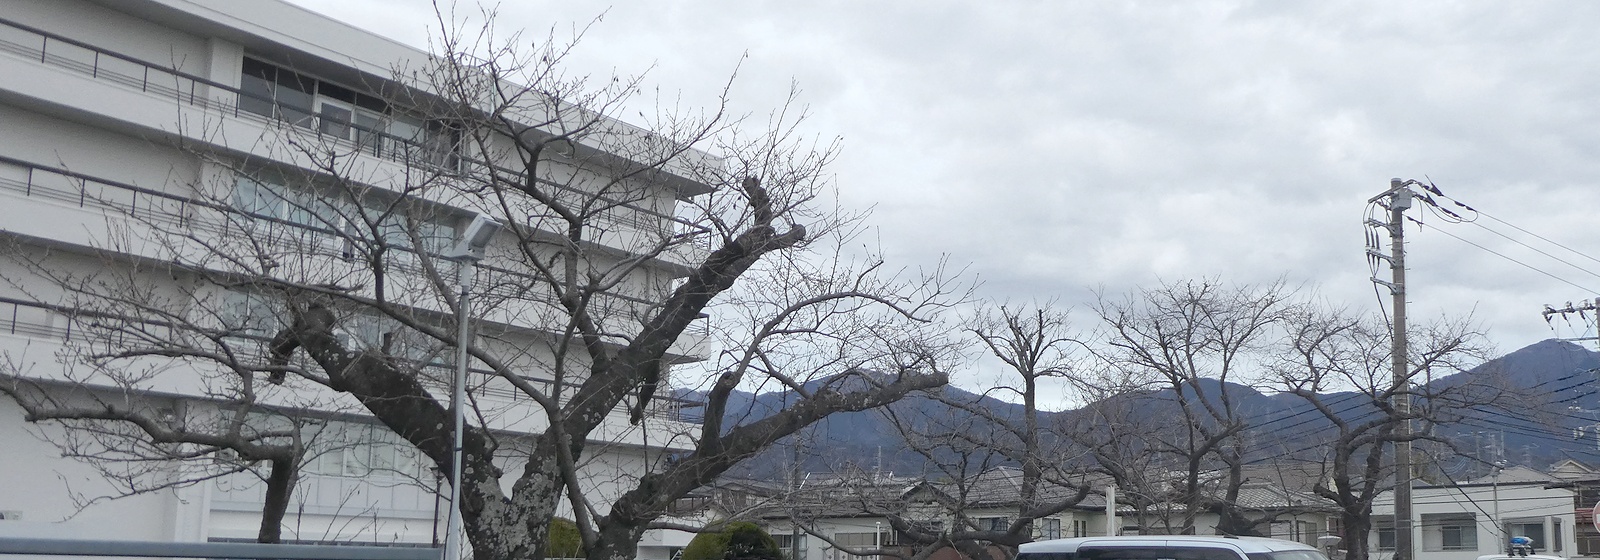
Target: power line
1537	250
1503	256
1450	216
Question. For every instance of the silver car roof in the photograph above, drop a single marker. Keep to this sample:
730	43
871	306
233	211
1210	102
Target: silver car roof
1242	544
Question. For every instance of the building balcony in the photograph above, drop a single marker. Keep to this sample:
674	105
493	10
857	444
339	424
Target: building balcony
140	95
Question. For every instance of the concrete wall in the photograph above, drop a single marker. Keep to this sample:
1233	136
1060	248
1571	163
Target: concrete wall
43	491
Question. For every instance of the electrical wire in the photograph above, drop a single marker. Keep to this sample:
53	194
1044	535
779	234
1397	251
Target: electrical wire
1528	431
1539	251
1433	188
1503	256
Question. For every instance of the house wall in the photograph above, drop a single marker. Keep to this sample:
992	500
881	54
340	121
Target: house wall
1435	508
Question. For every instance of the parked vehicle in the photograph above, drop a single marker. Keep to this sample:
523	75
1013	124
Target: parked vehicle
1168	547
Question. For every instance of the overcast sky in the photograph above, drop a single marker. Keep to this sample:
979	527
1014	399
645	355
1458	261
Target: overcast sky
1060	147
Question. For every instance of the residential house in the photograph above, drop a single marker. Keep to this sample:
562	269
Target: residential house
1584	481
854	511
1285	514
1463	521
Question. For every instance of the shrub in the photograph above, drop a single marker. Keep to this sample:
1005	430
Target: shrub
737	541
564	541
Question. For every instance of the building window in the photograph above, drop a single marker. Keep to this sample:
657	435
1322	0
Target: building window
689	505
1048	528
1459	537
335	111
272	92
791	546
331	222
1080	528
993	524
363	451
268	197
1532	529
252	314
1452	531
1295	530
1385	531
861	542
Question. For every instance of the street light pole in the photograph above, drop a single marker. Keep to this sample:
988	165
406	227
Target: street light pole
466	253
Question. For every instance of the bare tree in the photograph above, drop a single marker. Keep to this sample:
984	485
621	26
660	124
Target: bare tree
311	261
979	463
1341	366
1192	339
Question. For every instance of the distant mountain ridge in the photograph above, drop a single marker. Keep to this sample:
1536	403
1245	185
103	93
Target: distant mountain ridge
1557	371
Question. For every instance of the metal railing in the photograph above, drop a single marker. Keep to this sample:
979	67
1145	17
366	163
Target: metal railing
84	191
47	321
55	50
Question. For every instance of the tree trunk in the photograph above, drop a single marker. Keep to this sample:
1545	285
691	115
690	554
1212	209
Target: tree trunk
617	542
280	485
514	527
1354	539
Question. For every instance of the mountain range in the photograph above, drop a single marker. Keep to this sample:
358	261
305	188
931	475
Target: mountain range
1556	377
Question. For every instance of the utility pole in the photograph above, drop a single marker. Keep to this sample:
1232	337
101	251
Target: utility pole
1399	200
1582	310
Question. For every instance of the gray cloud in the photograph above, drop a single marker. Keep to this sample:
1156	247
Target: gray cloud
1059	146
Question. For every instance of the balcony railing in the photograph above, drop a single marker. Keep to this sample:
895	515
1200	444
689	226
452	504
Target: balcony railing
44	321
84	191
58	51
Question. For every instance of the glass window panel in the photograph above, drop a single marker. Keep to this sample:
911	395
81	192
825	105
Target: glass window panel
406	127
393	231
369	128
383	459
436	237
330	462
1156	553
334	91
1386	538
256	87
295	95
1050	528
250	313
291	81
1532	530
335	120
255	197
371	103
298	207
440	143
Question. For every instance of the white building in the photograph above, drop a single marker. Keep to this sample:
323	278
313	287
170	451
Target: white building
1464	521
125	121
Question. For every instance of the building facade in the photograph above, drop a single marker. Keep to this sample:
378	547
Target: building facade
162	160
1467	520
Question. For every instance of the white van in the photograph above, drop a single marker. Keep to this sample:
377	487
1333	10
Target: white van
1168	547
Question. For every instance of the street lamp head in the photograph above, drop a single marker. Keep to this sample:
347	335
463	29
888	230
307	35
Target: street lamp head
473	241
